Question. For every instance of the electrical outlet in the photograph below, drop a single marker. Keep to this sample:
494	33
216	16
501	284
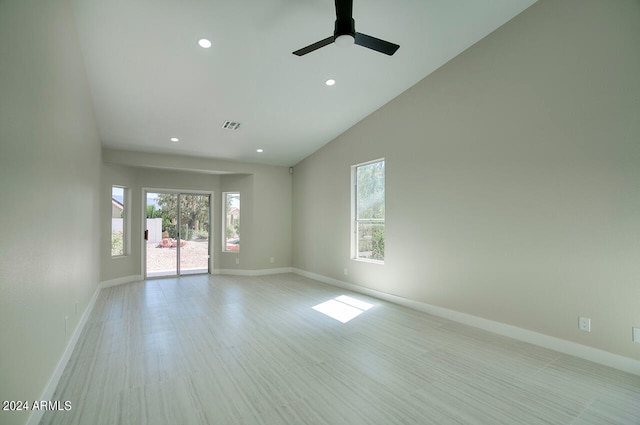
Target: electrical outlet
635	334
66	319
272	260
584	323
346	271
237	261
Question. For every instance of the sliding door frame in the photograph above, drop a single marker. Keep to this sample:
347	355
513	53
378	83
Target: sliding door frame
177	192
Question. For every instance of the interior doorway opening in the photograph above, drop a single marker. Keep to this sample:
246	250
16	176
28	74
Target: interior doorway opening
177	233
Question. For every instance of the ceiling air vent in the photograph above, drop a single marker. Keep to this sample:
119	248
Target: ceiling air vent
230	125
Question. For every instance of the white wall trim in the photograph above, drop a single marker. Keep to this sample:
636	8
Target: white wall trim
120	281
47	394
588	353
595	355
261	272
50	388
232	272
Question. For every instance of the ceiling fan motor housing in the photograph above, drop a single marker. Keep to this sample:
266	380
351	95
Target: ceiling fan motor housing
345	26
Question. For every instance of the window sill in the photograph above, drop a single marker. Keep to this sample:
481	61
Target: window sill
365	260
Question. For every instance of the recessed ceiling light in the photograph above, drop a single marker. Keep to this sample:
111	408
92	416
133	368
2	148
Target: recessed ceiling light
204	43
174	139
259	150
330	82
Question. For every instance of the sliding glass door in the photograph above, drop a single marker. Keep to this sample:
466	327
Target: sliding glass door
194	232
177	233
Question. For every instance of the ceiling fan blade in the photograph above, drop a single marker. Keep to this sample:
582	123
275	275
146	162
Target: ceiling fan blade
376	44
314	46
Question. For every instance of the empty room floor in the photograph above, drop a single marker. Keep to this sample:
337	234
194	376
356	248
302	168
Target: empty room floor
252	350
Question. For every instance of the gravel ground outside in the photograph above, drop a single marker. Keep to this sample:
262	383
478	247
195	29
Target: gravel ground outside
193	256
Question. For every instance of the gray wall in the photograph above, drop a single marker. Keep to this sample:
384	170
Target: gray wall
512	180
49	181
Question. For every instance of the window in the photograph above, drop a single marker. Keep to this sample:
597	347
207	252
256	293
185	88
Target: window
118	221
368	211
231	202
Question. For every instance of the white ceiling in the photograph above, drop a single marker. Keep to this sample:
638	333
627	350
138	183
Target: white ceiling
151	81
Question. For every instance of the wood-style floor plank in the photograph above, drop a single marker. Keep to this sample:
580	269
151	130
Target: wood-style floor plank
252	350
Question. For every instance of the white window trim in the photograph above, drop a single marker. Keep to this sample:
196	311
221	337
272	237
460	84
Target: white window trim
353	220
224	221
126	219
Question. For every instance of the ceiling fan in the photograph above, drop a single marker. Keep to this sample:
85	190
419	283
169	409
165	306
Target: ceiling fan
345	33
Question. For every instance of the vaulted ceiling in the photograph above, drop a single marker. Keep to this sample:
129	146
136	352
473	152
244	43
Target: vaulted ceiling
151	81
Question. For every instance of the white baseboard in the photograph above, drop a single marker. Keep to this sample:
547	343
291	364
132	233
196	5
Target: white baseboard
232	272
50	388
566	347
120	281
261	272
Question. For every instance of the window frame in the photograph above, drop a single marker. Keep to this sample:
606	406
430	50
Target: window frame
125	221
355	221
224	220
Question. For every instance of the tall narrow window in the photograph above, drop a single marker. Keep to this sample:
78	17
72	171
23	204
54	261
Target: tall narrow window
231	202
118	221
368	211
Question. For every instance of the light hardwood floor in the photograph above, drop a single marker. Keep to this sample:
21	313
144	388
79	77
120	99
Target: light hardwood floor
251	350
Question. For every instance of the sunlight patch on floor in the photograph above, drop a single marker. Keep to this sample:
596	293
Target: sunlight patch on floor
343	308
